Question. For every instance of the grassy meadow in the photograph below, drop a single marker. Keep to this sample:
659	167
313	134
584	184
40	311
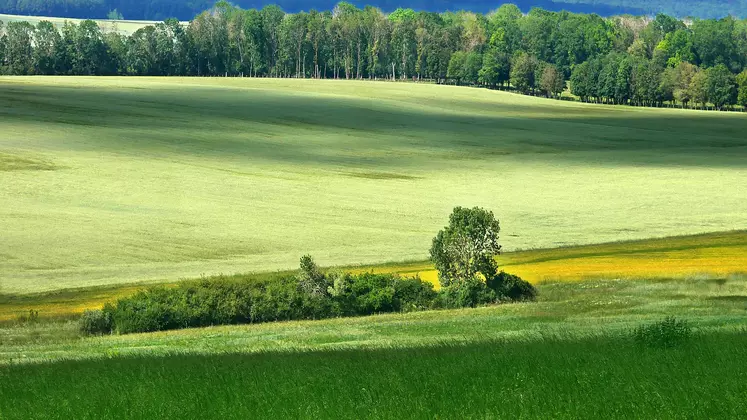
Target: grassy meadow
117	180
567	311
110	184
569	355
593	378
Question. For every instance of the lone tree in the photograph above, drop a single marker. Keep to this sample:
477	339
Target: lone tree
311	280
466	247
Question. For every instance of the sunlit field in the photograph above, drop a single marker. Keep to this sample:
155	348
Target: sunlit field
568	355
117	180
715	255
124	27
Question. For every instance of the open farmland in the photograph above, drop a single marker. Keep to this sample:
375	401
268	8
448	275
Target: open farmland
124	27
115	180
568	355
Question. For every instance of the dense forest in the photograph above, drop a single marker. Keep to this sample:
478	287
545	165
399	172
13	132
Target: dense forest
187	9
621	60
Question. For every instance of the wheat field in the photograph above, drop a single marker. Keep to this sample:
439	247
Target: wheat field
118	180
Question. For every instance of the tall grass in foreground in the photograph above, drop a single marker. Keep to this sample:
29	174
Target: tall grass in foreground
601	377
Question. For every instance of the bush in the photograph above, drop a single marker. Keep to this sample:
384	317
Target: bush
511	287
95	322
310	294
668	333
466	294
413	294
31	317
222	301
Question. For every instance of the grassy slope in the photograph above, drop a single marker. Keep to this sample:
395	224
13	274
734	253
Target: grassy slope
124	27
592	378
568	311
113	180
567	356
708	256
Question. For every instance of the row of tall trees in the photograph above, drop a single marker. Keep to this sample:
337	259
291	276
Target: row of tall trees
627	79
533	53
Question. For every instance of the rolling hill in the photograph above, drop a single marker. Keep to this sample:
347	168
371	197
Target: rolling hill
113	180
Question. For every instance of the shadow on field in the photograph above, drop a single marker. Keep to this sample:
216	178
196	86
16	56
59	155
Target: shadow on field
296	128
590	378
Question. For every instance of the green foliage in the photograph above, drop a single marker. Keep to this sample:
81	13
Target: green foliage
221	300
310	279
523	72
721	86
495	68
670	332
467	246
582	81
742	93
464	47
468	293
512	288
551	81
698	90
456	66
96	322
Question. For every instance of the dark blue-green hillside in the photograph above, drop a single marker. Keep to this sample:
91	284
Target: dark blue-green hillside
187	9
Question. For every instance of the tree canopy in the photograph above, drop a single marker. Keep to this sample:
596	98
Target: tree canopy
467	246
620	60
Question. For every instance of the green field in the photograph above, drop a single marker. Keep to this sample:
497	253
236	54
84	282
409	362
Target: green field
108	183
115	180
569	355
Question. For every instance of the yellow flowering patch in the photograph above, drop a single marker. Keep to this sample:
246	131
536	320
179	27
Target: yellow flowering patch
708	255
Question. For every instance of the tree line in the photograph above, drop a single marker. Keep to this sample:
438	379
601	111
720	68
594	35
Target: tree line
619	60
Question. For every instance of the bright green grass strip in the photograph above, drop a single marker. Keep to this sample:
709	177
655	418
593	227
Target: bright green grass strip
592	378
164	178
568	311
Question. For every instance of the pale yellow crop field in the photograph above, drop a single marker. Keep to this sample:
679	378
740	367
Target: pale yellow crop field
120	180
124	27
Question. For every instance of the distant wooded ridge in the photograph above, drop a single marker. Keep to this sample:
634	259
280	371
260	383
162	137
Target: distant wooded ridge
186	10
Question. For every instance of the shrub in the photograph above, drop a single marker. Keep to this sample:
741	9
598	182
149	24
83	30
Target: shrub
311	280
32	316
310	294
371	293
667	333
95	322
413	294
466	294
511	287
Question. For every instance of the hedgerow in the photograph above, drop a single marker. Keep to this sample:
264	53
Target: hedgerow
309	295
